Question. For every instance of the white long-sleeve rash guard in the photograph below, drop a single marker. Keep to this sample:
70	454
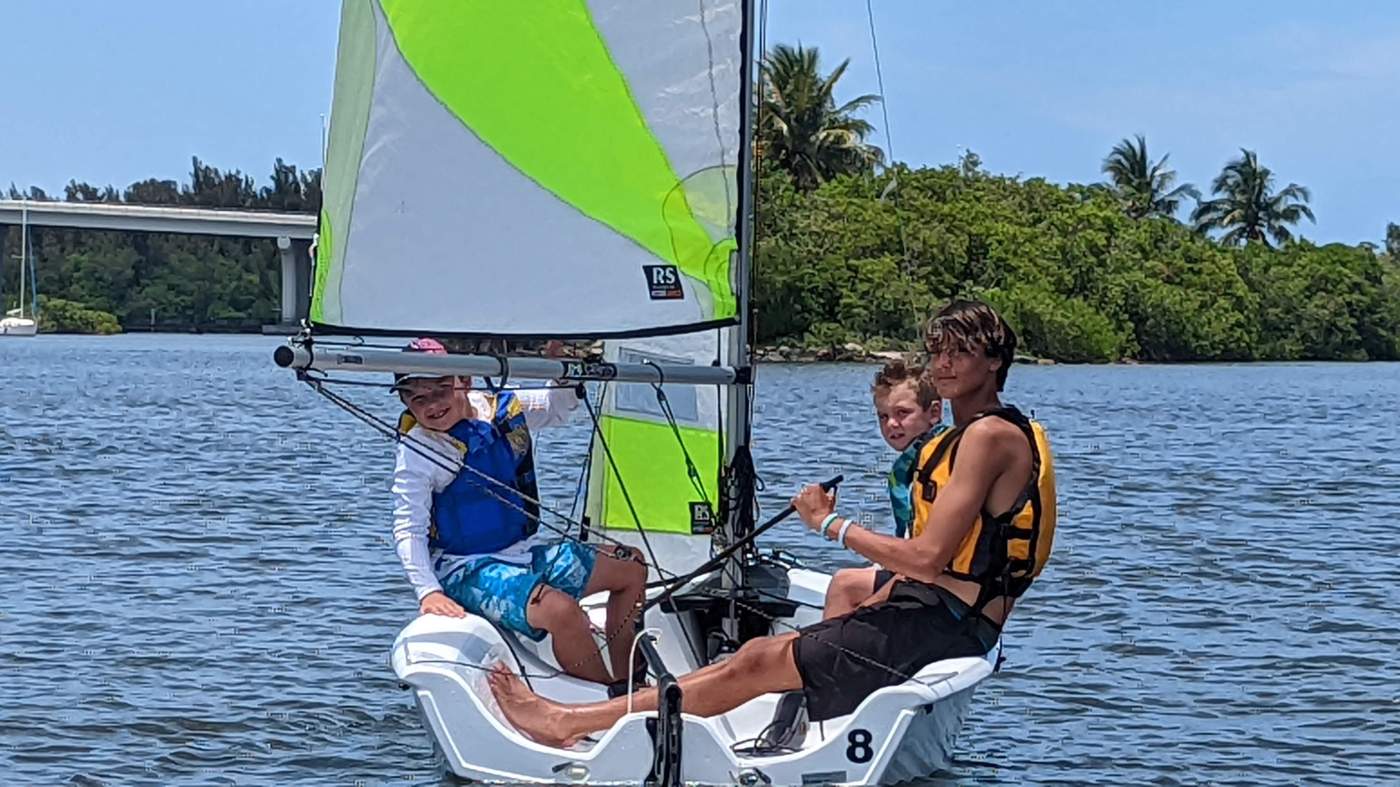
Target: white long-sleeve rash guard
417	478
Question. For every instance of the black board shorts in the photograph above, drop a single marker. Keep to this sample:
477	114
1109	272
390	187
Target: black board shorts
843	660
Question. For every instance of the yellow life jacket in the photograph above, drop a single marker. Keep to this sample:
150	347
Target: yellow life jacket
1001	553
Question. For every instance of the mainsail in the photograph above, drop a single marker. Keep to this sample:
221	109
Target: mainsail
562	168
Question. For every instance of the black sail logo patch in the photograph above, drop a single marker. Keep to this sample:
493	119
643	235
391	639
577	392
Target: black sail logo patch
663	282
702	519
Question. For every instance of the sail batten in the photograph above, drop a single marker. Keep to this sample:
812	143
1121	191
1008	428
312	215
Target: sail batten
568	168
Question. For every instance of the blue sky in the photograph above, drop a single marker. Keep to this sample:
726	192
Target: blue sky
115	92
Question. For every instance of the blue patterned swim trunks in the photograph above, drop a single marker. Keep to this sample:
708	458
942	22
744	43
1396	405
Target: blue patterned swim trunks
500	591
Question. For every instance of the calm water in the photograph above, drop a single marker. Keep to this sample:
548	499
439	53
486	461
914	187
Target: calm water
199	587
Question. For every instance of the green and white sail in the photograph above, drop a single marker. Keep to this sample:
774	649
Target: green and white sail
544	168
648	481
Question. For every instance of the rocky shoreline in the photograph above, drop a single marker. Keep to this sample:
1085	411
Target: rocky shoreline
851	352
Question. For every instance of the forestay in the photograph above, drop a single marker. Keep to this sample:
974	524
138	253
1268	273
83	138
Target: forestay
566	171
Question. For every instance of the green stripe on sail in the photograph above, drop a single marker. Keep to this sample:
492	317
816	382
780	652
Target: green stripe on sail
325	243
540	88
653	467
354	86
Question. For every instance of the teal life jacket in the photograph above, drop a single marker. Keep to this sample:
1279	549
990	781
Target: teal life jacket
901	481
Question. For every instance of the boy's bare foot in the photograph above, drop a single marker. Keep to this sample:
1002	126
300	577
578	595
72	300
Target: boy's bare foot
534	716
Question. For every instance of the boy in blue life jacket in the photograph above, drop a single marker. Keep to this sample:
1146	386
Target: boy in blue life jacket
909	413
466	521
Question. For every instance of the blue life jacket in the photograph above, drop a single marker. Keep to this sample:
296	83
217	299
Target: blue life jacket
473	516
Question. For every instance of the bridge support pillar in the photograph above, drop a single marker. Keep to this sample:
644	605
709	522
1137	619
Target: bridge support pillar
296	279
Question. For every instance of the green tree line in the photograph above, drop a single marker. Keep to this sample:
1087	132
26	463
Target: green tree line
93	282
1079	278
1095	272
848	249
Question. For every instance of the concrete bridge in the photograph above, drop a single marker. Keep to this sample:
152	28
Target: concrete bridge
293	232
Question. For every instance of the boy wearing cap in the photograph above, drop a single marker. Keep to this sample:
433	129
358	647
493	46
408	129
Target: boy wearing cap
466	521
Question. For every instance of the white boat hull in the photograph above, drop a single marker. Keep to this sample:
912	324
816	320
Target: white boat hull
18	326
898	733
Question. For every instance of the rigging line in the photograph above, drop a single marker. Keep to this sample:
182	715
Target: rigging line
771	618
438	459
580	494
703	591
889	139
777	621
585	469
432	455
612	463
725	482
435	457
690	469
441	461
357	343
326	378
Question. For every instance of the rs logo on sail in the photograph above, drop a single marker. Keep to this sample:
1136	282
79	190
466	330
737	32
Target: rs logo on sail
664	282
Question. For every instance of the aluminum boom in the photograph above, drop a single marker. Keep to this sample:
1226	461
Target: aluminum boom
352	359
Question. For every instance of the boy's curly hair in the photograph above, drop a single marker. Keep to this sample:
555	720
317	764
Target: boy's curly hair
897	371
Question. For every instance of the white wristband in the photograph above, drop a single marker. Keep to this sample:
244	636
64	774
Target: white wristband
841	534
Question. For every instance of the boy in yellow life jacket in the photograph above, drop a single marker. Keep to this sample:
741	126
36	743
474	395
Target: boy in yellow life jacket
984	519
909	413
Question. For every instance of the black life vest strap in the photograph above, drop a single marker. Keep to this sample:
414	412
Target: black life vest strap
951	440
998	528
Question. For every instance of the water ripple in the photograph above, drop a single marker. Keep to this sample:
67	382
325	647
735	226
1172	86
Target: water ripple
199	586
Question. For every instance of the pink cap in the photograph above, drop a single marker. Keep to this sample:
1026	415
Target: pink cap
423	344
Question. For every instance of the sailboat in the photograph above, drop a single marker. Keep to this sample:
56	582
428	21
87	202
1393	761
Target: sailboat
14	323
584	169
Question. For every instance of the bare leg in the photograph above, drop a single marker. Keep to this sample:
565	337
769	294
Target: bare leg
626	582
564	619
848	588
761	666
881	594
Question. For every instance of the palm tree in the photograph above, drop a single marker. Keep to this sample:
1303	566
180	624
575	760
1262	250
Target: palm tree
1247	209
801	126
1144	188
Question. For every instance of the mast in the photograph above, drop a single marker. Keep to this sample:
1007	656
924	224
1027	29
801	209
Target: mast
738	489
23	249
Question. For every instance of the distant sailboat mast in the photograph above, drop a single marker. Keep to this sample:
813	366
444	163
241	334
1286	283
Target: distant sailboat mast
23	250
13	322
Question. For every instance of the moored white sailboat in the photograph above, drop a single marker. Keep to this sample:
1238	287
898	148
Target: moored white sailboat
583	169
14	323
